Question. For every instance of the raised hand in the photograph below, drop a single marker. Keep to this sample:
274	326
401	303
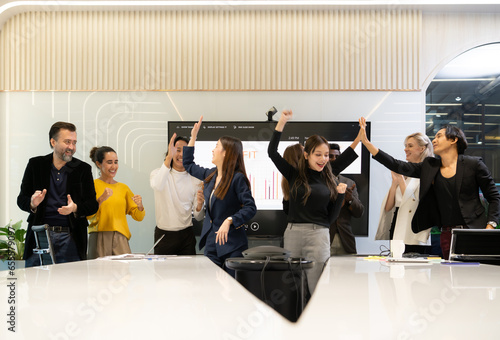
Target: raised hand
171	146
362	129
286	115
364	138
194	131
171	151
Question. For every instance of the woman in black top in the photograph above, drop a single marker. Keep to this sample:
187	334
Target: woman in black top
314	203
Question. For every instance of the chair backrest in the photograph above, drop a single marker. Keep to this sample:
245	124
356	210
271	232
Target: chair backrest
44	247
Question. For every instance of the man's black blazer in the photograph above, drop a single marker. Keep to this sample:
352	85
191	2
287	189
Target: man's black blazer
471	175
80	185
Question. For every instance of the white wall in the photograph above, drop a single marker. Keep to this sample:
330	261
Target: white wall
134	123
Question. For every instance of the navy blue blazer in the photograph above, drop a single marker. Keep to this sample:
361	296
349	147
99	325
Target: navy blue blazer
80	185
471	175
238	203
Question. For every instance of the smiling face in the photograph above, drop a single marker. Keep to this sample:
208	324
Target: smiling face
177	155
318	158
413	151
218	154
109	166
65	145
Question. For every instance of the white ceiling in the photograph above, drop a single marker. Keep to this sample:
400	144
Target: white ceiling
480	62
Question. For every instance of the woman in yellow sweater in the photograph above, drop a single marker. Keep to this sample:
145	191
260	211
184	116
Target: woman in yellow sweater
108	228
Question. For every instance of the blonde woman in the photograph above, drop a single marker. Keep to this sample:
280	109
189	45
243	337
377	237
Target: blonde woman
401	201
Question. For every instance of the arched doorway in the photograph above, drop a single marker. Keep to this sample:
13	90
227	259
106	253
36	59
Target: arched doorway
466	92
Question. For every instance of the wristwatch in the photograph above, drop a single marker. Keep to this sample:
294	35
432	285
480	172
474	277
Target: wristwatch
230	219
492	223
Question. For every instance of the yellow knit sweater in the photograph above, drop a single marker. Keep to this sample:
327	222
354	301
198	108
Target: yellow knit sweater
112	214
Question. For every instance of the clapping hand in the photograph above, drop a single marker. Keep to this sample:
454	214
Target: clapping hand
37	198
68	209
397	179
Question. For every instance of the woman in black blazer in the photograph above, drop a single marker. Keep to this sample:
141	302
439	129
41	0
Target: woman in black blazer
228	199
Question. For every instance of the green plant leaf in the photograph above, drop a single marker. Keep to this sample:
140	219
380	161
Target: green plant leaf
20	233
17	225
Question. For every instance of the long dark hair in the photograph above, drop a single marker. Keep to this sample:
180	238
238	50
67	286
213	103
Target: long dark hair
233	162
292	155
311	144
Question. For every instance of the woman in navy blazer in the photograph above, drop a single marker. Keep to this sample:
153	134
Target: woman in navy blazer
228	199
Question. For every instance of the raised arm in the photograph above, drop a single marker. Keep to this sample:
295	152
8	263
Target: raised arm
283	166
171	151
400	167
194	132
286	115
188	156
356	141
364	139
158	177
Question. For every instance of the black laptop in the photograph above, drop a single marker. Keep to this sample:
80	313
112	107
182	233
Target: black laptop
475	245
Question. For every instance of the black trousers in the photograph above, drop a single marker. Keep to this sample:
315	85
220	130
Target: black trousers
182	242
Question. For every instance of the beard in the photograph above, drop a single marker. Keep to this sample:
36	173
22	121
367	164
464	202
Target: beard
64	156
67	158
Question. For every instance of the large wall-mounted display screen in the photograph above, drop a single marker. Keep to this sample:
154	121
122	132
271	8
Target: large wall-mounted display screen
264	178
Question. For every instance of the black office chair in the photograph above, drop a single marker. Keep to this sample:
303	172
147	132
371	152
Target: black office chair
43	244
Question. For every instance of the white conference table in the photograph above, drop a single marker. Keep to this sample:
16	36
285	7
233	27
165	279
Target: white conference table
191	298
